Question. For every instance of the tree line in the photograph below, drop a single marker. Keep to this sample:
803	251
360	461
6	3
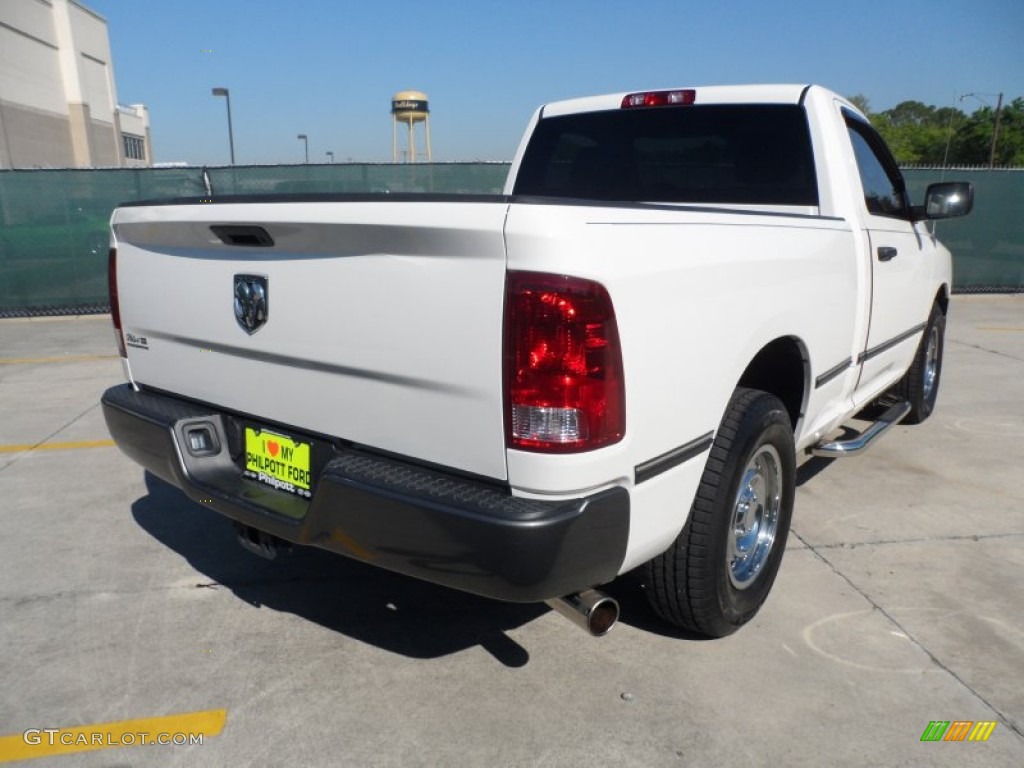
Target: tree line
919	134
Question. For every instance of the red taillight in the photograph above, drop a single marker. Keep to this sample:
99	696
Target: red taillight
563	366
115	305
660	99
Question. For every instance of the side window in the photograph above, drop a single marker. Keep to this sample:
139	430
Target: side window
879	176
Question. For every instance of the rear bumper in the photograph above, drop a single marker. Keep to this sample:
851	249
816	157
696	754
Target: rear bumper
422	522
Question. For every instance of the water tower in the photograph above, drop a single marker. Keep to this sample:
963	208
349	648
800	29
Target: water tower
409	107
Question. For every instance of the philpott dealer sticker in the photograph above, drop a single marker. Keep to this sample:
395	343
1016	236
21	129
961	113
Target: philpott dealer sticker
278	461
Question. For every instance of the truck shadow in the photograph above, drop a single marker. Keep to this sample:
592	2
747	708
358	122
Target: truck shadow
811	468
393	612
629	591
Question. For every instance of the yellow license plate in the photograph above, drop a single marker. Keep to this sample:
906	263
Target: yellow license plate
278	461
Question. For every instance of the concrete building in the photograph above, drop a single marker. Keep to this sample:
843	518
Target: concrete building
58	100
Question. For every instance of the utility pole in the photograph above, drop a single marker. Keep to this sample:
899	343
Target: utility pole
995	133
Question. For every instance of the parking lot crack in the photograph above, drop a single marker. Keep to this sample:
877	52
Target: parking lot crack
1003	717
986	349
919	540
17	457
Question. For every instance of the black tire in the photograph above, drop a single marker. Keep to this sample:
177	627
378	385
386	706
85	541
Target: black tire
920	385
697	584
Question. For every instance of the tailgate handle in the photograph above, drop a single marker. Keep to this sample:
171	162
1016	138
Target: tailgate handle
248	236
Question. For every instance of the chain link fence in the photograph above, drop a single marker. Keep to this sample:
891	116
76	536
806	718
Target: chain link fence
54	238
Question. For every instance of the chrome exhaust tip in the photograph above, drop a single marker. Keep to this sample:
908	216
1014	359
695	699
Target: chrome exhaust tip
590	610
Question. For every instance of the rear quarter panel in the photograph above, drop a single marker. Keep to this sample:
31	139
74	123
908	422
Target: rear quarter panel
697	293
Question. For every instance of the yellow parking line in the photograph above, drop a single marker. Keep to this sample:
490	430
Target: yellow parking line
181	729
57	446
997	328
59	359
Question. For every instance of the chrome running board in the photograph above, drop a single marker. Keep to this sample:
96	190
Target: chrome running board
834	449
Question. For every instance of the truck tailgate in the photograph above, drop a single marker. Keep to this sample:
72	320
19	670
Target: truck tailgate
383	327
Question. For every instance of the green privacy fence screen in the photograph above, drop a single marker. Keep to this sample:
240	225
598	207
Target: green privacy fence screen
53	223
988	245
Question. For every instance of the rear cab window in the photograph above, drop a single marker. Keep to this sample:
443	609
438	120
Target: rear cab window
742	154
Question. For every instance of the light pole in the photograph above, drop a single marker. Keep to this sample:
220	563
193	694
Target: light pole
231	134
995	128
330	156
995	133
305	140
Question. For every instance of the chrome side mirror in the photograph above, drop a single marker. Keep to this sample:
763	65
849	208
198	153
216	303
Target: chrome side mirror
948	199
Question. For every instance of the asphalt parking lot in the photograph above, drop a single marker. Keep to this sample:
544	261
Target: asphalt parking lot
900	602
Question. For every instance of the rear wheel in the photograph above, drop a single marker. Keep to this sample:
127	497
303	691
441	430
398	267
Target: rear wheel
718	572
920	385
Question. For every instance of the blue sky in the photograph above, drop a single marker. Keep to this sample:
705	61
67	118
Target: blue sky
328	68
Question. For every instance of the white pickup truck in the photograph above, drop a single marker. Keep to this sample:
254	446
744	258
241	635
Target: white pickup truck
616	363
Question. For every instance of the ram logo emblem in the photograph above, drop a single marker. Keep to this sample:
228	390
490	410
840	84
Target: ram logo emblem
251	302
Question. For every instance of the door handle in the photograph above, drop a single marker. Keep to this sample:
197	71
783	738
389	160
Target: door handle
886	253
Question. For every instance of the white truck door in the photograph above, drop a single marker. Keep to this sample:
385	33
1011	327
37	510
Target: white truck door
900	257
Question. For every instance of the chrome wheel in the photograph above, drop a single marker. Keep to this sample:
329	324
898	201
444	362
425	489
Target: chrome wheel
931	362
755	517
920	384
719	571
